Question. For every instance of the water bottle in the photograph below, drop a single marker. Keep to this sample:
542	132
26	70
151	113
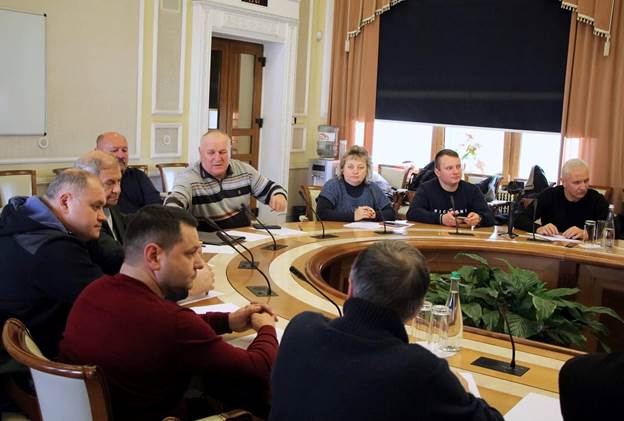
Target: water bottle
609	230
455	320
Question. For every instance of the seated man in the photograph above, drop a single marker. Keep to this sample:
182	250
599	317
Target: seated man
591	387
150	348
361	366
447	199
107	250
217	186
137	189
44	262
563	209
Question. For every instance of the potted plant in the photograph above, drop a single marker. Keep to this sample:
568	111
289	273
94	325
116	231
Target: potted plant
533	310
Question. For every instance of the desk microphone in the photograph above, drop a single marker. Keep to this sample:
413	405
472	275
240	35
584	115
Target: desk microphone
456	221
231	241
301	276
511	367
251	216
322	236
533	238
378	211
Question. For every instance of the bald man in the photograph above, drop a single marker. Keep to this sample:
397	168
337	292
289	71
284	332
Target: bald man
137	189
564	209
216	186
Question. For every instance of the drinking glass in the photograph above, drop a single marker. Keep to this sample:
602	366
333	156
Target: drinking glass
590	233
421	326
439	326
600	228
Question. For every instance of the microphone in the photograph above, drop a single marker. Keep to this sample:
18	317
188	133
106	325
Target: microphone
230	241
322	236
247	264
251	216
378	211
456	221
511	367
533	238
301	276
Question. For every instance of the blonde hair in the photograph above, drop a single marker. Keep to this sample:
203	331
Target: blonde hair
358	152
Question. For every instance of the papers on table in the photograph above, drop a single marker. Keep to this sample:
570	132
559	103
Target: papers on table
284	232
535	407
220	308
472	384
397	225
245	341
556	238
209	248
249	236
211	294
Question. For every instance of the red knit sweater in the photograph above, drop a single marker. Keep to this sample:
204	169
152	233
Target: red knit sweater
149	348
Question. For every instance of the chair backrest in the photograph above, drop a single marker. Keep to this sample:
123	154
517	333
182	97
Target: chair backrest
396	175
606	191
17	183
57	171
168	173
140	167
311	193
64	391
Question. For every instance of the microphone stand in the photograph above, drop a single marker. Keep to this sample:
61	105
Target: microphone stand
503	367
301	276
323	235
383	219
533	238
230	241
251	216
457	232
512	209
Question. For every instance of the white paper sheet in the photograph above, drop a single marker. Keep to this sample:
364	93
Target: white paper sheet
535	407
472	384
285	232
556	238
224	308
245	341
209	248
249	236
190	300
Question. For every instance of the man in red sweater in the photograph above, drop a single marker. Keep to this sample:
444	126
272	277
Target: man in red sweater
148	347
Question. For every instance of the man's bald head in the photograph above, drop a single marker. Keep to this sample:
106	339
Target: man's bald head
115	144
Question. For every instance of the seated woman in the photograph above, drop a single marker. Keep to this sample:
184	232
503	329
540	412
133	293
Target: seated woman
350	196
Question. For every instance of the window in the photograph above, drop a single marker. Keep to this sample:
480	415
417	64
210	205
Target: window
481	150
540	149
399	141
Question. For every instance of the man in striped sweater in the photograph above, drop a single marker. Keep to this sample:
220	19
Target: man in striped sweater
216	186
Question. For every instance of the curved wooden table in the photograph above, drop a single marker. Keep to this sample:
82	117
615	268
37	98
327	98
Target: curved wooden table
594	271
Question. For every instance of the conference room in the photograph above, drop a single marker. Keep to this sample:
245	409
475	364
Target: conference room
305	94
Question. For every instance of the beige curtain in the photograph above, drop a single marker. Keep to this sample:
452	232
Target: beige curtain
353	83
594	95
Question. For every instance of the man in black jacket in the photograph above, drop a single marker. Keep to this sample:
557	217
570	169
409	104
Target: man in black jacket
447	199
43	258
361	366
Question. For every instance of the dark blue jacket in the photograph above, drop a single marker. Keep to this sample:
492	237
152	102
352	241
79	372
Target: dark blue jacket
44	268
137	191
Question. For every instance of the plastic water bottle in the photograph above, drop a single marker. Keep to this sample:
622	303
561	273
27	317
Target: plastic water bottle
609	229
455	320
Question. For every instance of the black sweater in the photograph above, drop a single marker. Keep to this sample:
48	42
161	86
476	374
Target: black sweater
361	367
432	201
554	208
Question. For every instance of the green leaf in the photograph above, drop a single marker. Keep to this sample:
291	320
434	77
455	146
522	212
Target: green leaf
474	311
473	257
544	307
519	326
491	319
561	292
604	310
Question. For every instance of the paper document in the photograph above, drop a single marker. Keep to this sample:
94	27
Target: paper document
219	308
249	236
211	294
556	238
245	341
209	248
285	232
535	407
472	384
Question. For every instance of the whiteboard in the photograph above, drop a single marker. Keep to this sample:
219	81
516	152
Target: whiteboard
22	73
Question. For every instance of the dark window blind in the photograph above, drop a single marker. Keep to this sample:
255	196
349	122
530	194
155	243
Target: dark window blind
484	63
